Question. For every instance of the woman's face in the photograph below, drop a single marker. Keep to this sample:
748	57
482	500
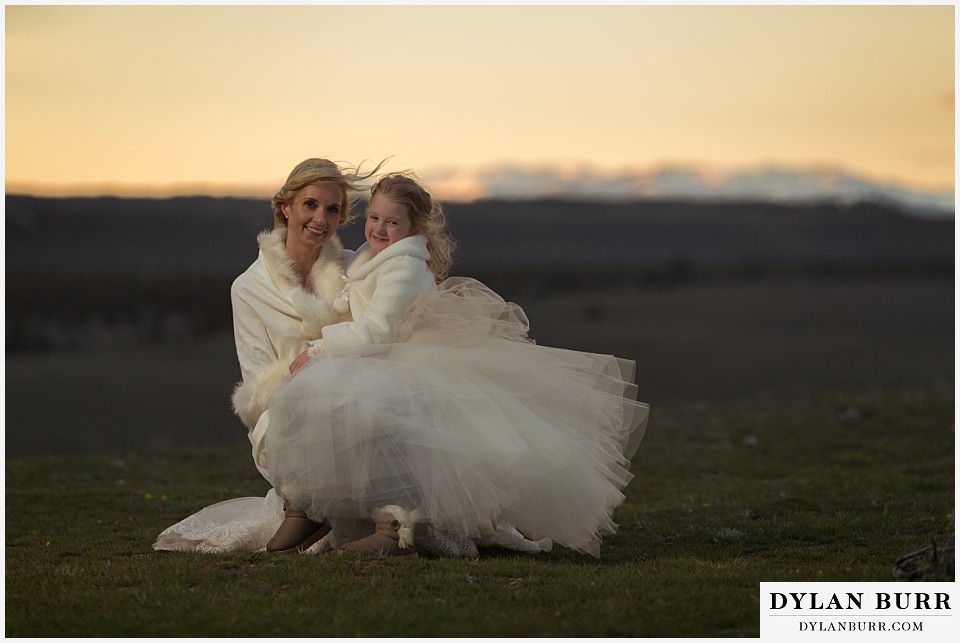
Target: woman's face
387	222
313	216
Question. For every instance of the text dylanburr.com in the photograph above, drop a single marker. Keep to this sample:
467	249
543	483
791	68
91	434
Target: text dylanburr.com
865	611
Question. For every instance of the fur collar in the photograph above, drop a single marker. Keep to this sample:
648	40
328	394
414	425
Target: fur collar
367	259
326	279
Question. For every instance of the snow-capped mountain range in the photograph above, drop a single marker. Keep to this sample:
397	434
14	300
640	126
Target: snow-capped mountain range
764	184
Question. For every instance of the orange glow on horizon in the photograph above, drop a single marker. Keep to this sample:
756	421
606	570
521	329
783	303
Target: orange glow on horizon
224	100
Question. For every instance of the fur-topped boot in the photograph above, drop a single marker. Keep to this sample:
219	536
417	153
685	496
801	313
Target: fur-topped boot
297	532
393	535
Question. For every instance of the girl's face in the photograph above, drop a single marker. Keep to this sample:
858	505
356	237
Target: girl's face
313	216
387	222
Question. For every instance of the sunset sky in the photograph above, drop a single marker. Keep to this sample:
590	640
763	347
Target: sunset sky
227	99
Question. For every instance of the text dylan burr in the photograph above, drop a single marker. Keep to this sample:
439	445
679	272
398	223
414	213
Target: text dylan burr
855	601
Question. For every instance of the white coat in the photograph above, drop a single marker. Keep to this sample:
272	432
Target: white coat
274	316
379	288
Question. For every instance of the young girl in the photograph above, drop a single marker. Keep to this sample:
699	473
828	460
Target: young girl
433	407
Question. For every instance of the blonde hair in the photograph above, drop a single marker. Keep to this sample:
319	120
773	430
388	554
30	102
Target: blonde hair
426	216
317	171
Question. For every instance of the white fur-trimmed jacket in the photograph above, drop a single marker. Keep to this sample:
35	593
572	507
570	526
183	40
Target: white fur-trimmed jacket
274	317
379	288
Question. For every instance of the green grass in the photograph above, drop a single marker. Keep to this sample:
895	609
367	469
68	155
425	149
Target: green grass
829	488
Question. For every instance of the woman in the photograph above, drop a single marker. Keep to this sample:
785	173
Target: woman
280	302
432	407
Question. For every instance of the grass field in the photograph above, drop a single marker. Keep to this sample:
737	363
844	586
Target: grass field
829	487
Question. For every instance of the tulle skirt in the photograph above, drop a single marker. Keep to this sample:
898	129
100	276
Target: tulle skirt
464	422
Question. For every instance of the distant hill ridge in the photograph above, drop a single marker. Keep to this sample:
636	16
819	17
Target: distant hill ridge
189	235
767	183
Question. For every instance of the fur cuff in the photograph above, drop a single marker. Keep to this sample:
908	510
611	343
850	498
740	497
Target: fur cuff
250	398
315	311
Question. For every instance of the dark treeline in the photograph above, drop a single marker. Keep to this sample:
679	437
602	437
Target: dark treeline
130	271
216	235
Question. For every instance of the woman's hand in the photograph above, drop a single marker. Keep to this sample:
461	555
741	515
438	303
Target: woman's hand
299	362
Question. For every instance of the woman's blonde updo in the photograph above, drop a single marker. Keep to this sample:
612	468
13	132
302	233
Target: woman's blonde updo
426	216
317	171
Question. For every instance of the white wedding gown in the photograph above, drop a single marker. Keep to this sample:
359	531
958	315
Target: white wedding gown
485	437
